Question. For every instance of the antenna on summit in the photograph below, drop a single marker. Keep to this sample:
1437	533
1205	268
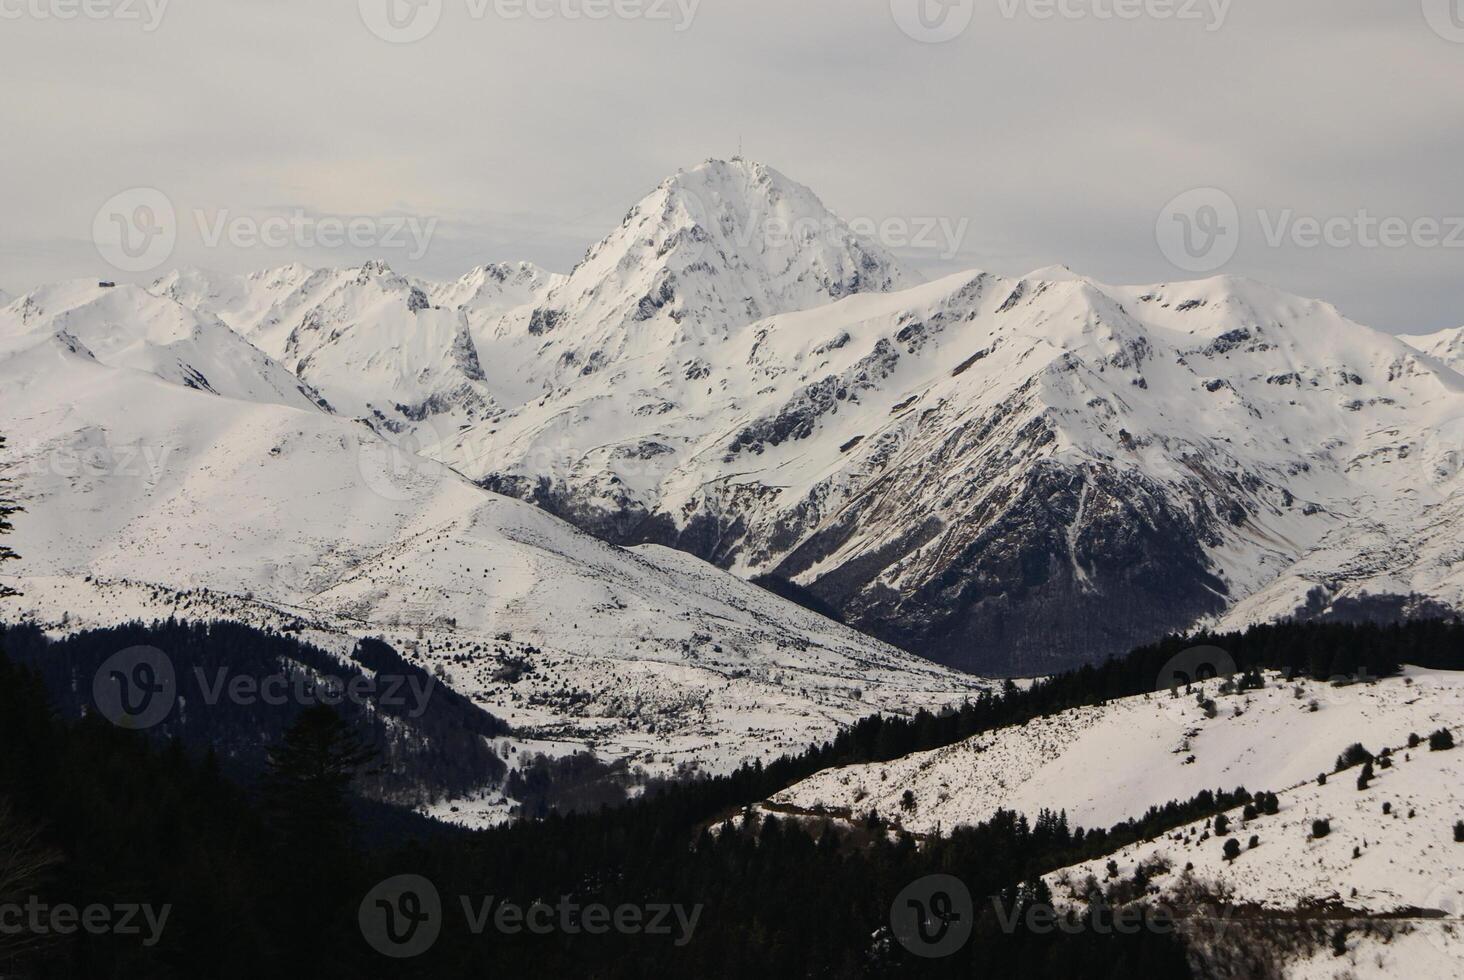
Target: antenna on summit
739	147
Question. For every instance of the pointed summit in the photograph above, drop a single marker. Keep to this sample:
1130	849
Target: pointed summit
724	244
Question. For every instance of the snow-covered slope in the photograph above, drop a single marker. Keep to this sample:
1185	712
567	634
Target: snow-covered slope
132	478
1446	345
1013	475
1105	764
1388	874
1395	878
128	327
370	341
492	290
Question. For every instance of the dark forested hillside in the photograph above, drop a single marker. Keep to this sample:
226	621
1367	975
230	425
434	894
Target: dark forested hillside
430	741
269	877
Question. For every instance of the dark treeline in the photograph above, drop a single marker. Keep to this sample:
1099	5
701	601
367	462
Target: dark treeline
429	740
271	884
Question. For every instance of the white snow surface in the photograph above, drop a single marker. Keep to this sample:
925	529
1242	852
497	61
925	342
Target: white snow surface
141	481
1107	763
1401	870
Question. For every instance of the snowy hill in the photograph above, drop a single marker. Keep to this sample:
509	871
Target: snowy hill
1105	764
1395	878
139	480
1389	872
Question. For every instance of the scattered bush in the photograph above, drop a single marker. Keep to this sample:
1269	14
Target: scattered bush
1441	740
1459	832
1355	755
1232	849
1222	825
1321	828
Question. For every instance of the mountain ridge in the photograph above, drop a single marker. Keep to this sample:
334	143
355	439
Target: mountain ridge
1007	474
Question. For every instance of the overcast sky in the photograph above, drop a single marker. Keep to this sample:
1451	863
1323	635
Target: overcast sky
1057	139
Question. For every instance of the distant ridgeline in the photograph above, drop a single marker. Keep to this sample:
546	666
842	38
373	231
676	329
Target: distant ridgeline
239	689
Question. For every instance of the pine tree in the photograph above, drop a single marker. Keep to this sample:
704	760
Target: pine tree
23	862
308	779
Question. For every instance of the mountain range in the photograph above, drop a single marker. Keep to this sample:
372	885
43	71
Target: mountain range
1009	475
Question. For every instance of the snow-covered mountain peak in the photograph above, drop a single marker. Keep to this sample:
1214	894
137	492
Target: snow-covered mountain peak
494	289
129	327
1052	273
711	249
1446	345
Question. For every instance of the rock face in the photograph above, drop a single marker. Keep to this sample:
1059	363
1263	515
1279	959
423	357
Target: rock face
1017	475
1008	475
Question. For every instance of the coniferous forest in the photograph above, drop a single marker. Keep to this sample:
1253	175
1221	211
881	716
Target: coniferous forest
264	855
